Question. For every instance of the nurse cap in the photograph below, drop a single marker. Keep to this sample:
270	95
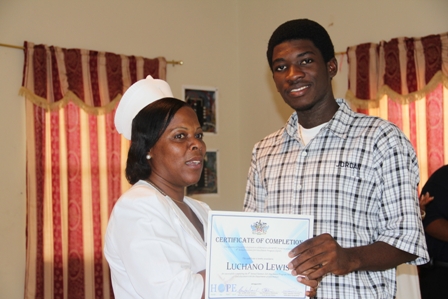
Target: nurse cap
138	96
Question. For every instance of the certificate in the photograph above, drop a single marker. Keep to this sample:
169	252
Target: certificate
247	254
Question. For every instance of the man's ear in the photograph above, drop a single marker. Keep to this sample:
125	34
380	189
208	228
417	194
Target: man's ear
332	67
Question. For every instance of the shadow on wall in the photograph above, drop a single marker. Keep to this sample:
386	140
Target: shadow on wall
281	107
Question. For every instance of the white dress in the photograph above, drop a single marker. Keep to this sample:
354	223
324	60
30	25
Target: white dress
153	250
408	285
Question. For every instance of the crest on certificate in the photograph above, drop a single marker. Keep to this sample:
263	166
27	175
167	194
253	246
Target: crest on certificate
259	228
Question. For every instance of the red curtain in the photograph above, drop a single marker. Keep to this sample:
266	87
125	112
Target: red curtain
75	164
405	80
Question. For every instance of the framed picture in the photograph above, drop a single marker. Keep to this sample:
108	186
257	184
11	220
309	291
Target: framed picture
208	183
203	100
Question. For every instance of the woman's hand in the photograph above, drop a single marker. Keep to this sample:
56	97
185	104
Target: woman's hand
313	284
423	201
203	273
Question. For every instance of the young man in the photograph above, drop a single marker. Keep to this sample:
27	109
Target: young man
356	174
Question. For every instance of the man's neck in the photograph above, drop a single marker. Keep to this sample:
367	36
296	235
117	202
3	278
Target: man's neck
313	118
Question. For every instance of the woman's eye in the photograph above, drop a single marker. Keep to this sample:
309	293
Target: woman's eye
199	136
179	136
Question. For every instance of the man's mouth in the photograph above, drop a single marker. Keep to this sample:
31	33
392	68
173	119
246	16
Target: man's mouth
299	89
193	163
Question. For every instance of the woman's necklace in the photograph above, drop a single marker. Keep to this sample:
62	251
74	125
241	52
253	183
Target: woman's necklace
186	209
163	193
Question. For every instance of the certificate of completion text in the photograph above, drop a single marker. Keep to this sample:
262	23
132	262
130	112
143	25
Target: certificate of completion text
247	254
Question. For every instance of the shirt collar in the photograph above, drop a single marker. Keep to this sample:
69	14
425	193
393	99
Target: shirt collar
339	123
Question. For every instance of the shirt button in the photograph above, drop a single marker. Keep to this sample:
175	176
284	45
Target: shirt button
304	153
299	187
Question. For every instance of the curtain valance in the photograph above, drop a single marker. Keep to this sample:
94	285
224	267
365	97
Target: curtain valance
93	80
75	164
404	69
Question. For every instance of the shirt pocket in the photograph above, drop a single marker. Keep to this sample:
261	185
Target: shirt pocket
353	181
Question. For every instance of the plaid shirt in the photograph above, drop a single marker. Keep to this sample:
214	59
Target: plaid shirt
357	177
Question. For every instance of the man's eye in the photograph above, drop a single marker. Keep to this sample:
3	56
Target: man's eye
306	61
280	68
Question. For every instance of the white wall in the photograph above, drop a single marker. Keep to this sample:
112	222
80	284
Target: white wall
201	33
349	22
222	44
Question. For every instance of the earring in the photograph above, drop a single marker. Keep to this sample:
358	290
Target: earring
148	156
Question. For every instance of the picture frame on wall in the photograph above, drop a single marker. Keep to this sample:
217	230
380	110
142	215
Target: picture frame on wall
208	183
203	100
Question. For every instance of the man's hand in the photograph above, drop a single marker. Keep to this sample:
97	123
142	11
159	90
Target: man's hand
318	256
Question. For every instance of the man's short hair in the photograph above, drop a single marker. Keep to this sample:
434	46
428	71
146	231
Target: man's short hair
301	29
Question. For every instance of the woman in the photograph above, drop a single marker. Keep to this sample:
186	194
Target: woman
434	275
155	237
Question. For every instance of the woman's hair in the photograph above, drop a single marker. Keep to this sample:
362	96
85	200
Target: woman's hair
147	127
301	29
